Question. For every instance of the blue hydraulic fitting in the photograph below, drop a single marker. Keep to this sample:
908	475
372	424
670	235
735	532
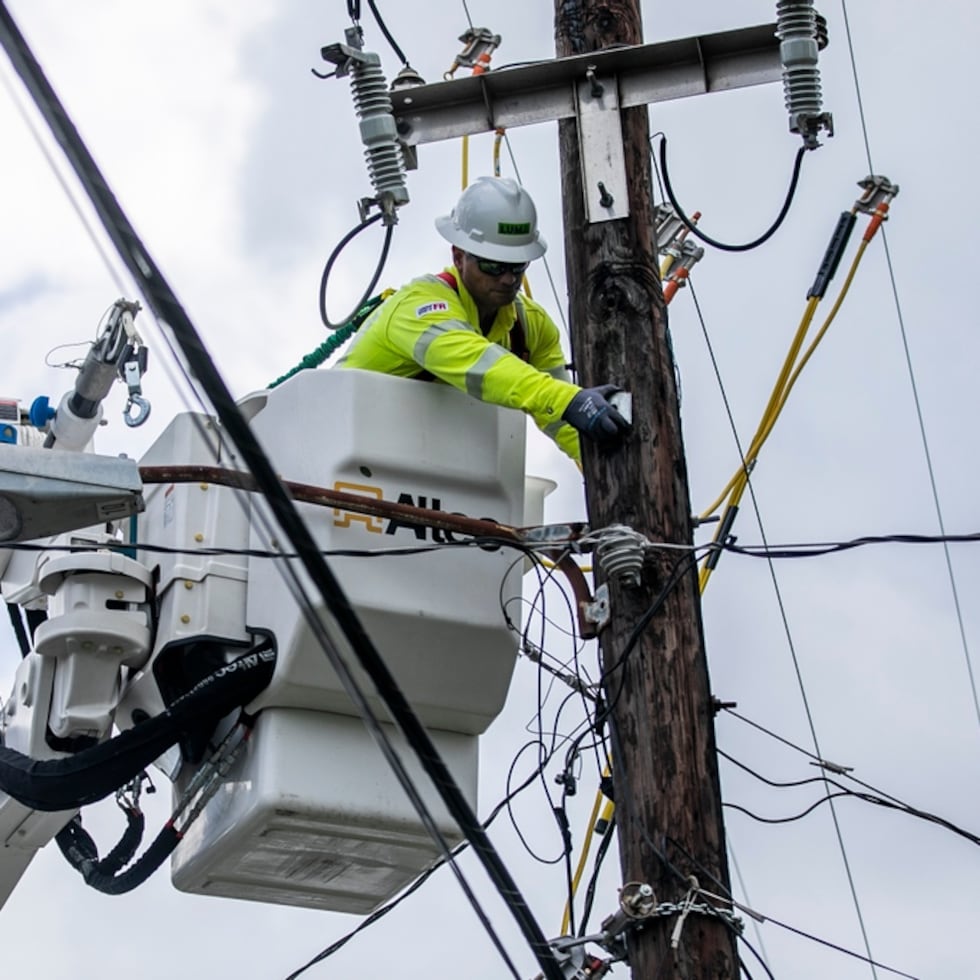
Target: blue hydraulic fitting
41	412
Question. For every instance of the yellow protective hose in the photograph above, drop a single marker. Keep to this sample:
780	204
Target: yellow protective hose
788	376
824	326
583	857
773	405
587	844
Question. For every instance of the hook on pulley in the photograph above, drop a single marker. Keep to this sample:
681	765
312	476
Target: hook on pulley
141	407
137	409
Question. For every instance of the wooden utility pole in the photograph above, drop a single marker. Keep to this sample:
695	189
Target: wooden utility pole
665	776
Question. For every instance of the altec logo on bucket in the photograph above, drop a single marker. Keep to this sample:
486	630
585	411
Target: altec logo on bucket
381	525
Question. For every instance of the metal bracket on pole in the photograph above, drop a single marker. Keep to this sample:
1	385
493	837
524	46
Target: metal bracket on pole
600	134
545	91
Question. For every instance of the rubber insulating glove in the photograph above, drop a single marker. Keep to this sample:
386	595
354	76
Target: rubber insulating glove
593	416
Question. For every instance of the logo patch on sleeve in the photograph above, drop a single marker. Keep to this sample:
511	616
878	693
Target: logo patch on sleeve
439	306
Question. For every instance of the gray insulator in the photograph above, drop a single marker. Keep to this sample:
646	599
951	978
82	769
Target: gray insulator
619	551
796	27
372	101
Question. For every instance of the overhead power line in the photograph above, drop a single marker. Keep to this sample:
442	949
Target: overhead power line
967	657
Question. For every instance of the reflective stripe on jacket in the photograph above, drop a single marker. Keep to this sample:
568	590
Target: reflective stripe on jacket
427	325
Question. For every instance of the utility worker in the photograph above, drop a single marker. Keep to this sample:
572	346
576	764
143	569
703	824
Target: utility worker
467	325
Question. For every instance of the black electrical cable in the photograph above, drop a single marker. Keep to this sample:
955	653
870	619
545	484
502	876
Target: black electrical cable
165	305
882	800
536	743
600	856
741	962
840	949
676	576
867	798
816	550
88	776
543	760
697	233
768	918
335	254
876	795
384	30
566	778
823	780
798	550
125	547
794	817
757	955
561	815
559	810
542	578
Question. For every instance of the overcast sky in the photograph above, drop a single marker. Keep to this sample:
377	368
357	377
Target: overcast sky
241	170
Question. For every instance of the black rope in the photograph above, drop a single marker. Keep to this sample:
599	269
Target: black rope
693	229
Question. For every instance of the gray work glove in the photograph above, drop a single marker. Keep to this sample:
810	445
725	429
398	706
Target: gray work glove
594	417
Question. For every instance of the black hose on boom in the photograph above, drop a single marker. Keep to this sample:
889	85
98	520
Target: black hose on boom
92	774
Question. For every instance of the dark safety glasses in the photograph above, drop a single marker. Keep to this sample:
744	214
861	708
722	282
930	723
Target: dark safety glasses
496	269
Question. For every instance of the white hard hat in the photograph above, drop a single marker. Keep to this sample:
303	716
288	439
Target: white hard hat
494	218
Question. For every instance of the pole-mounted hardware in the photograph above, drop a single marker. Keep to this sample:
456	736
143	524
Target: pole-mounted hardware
619	551
372	102
802	32
637	903
600	134
878	190
479	43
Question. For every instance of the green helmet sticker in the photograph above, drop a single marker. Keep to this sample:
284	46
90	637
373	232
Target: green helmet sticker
514	227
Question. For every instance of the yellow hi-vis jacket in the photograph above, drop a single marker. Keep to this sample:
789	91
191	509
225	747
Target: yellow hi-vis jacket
427	326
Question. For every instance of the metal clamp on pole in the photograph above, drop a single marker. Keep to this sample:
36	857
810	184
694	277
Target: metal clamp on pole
878	191
689	256
637	903
600	136
479	44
